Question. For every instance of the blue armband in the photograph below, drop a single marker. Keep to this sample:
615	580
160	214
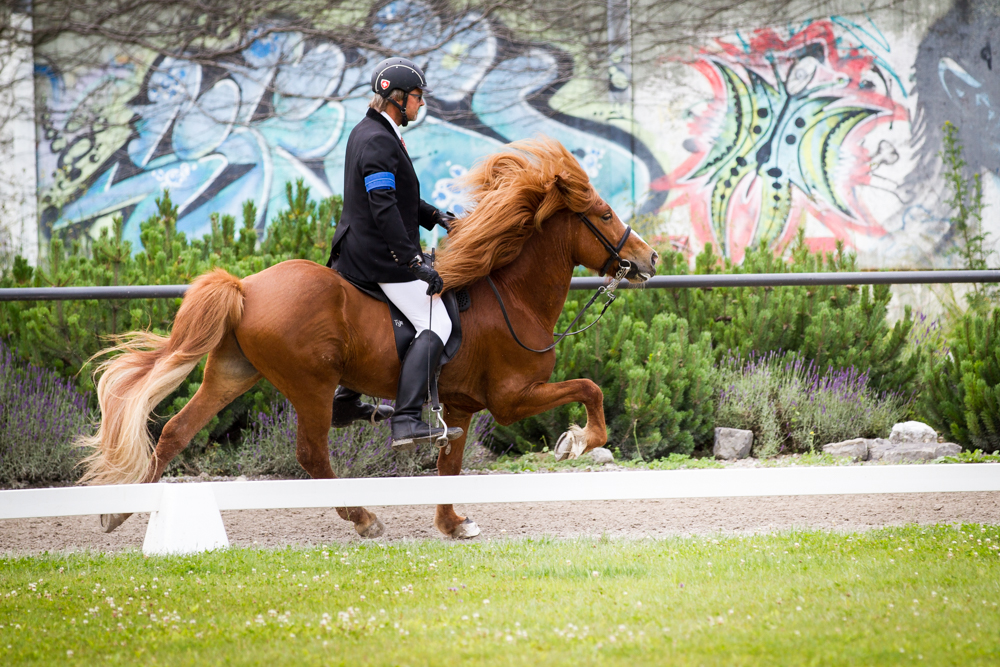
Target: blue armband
383	180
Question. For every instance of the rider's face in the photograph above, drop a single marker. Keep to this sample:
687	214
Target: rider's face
413	103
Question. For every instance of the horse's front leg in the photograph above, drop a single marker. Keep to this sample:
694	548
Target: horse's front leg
450	463
541	397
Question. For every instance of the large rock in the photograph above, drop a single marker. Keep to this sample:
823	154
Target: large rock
602	455
732	443
901	452
856	449
910	432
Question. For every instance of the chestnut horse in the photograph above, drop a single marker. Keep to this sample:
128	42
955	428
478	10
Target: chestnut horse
306	329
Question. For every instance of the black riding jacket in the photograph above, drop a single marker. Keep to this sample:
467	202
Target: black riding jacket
377	235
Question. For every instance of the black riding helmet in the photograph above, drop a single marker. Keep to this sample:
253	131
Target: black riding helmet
393	73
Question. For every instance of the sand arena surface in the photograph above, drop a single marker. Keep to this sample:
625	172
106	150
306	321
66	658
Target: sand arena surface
619	518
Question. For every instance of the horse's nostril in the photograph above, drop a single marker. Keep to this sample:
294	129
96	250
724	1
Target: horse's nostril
653	258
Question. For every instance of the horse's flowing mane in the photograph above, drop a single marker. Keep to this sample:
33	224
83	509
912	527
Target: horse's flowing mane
512	192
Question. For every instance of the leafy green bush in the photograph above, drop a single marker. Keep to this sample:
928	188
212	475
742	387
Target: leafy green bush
791	406
962	394
966	202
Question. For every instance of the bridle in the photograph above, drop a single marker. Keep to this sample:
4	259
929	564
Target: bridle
613	250
624	266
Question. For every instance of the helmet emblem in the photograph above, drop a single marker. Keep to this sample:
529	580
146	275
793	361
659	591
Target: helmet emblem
385	84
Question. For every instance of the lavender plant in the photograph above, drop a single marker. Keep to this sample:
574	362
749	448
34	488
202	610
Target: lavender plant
40	415
791	405
361	450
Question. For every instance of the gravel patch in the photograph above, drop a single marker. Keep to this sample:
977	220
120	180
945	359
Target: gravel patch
620	519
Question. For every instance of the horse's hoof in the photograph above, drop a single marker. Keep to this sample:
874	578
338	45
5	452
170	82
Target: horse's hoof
111	521
465	530
571	444
373	530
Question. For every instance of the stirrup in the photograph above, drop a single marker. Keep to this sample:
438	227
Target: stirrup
345	413
410	442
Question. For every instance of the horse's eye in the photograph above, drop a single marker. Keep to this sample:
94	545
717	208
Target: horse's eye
607	217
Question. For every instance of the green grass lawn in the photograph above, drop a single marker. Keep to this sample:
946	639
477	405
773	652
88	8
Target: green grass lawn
895	596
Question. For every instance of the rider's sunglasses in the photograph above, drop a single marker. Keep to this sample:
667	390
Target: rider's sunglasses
419	96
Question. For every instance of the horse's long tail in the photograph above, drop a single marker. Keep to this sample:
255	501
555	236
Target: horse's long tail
147	370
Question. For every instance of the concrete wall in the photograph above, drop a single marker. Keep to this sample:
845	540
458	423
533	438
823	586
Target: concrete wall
831	125
18	188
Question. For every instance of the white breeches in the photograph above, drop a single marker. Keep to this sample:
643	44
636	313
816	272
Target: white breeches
412	300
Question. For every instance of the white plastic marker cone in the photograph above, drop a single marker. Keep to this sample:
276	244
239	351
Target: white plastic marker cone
187	522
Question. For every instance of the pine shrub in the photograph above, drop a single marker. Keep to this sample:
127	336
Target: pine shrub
656	383
962	394
658	379
64	335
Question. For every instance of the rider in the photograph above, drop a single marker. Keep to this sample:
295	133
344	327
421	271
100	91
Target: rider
377	241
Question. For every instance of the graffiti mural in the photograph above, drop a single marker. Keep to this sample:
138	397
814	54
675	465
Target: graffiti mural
957	77
830	126
221	134
783	135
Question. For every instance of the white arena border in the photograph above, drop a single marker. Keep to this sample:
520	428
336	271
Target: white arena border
185	517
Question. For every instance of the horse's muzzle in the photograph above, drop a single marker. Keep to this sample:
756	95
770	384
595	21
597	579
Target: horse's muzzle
642	270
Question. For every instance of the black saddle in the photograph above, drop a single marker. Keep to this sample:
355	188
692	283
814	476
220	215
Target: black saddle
455	302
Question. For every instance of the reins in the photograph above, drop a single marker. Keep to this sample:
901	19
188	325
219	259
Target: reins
608	290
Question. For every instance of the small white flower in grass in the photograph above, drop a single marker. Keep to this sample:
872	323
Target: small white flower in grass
69	654
486	601
595	573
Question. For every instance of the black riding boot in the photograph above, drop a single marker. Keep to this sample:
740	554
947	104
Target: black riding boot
419	365
348	407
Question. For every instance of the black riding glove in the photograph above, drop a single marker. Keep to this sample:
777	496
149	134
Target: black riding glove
426	273
445	219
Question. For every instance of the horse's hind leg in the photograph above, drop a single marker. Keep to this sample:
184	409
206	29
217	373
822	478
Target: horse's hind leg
314	410
228	374
445	518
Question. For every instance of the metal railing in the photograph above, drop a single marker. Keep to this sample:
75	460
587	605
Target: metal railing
658	282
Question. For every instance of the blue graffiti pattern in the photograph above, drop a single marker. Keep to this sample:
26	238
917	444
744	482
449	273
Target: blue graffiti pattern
285	111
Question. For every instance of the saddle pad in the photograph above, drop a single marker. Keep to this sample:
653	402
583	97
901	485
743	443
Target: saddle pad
404	332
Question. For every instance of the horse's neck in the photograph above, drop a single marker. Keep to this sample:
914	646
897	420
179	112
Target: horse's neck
538	280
